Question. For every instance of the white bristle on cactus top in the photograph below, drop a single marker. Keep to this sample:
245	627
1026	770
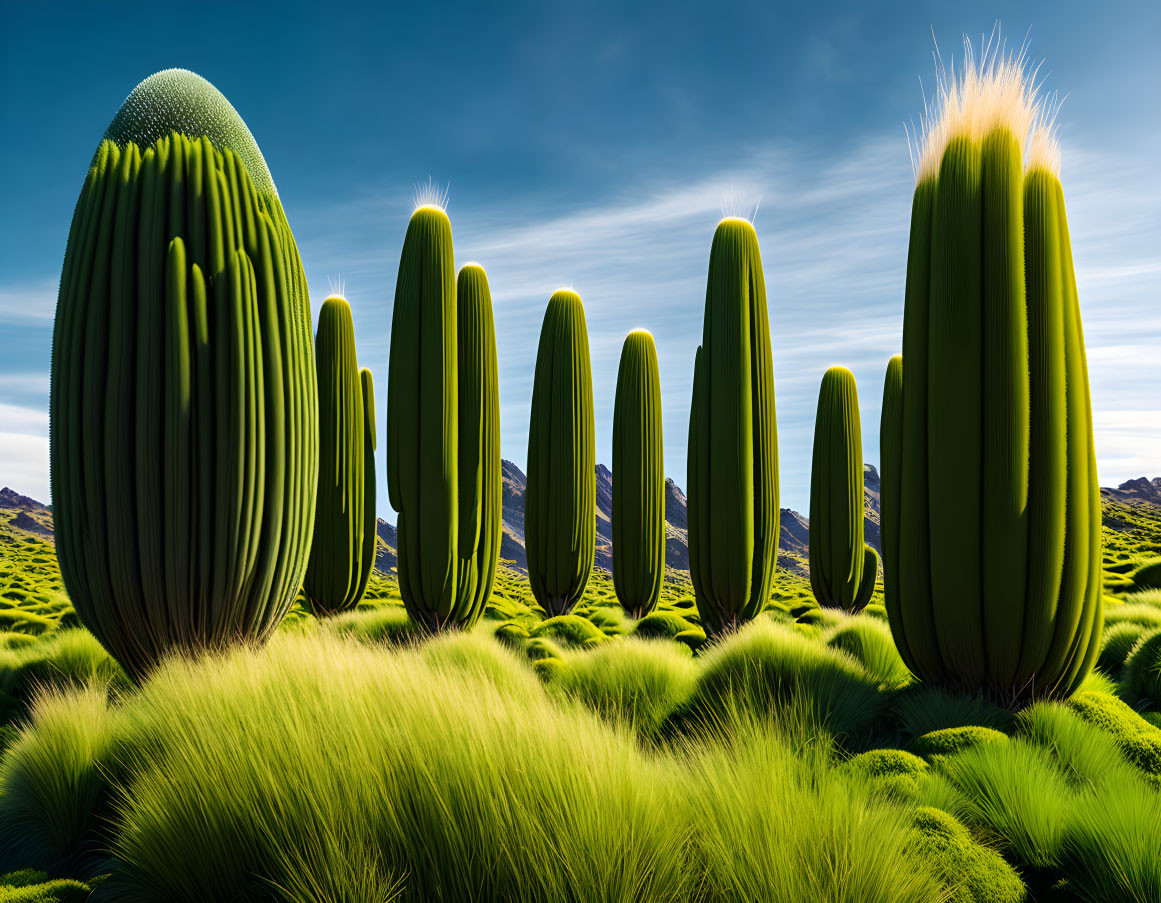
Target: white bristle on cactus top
998	89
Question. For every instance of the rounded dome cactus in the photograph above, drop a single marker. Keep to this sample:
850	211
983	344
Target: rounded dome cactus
184	442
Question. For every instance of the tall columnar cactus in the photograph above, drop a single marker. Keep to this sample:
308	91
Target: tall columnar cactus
480	485
999	537
733	438
423	420
370	520
842	568
337	574
184	438
891	464
638	478
560	498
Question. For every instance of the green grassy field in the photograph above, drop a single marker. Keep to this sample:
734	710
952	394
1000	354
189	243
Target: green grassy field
352	759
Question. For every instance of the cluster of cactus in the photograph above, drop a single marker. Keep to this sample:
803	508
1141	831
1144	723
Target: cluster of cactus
443	429
638	478
842	567
998	570
343	549
733	438
560	498
184	443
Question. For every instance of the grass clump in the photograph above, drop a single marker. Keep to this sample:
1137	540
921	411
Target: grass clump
1139	740
639	682
572	630
978	874
1116	644
870	642
921	709
1143	669
808	836
376	624
662	625
343	745
55	784
767	667
892	771
32	886
950	740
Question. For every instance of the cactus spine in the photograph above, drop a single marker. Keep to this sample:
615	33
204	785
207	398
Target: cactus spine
184	443
733	438
638	478
336	576
480	485
842	567
423	420
891	461
999	531
560	498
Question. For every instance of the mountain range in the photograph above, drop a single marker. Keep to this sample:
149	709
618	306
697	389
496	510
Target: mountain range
20	513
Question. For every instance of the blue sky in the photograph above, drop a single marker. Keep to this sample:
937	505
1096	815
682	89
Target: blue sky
593	145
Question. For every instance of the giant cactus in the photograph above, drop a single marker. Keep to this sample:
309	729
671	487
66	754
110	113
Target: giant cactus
480	484
184	444
842	568
638	478
423	420
999	536
560	498
337	574
733	438
891	464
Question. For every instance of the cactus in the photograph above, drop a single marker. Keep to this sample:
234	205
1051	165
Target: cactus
560	498
480	484
842	567
370	520
638	478
184	443
733	439
891	462
423	420
336	576
999	521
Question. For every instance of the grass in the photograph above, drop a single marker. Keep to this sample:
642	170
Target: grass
792	760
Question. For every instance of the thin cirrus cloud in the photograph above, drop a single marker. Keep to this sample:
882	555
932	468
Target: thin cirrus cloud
834	243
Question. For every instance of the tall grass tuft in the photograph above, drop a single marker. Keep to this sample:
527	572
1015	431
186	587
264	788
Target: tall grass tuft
419	769
767	668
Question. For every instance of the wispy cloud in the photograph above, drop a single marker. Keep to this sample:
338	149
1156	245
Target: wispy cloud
834	242
28	303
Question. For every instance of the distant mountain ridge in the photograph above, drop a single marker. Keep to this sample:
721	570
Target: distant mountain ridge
22	515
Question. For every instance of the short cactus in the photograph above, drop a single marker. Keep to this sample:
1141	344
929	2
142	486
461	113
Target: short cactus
999	539
423	420
733	439
561	494
338	571
184	433
480	485
842	567
638	478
